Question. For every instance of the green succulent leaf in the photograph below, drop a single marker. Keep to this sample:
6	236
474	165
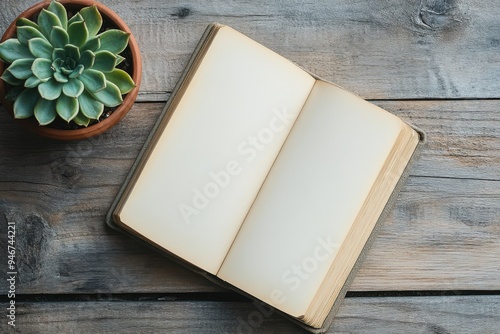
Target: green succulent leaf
14	92
66	71
89	106
42	69
77	71
87	59
21	68
104	61
119	60
109	96
78	33
32	82
24	106
46	21
45	111
114	40
50	90
12	49
24	22
58	54
72	52
10	79
40	48
92	18
59	77
59	37
56	64
76	18
73	88
121	79
92	44
81	119
24	34
93	80
58	9
67	107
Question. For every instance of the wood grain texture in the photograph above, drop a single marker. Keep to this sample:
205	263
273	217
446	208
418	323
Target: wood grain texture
384	49
418	315
444	232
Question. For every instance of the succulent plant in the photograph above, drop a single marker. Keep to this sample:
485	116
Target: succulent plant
65	68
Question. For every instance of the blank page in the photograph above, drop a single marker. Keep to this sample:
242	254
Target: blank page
213	156
310	198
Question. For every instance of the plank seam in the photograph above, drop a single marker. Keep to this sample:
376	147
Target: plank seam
224	296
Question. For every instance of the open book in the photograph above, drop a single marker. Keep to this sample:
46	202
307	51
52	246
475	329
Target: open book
264	176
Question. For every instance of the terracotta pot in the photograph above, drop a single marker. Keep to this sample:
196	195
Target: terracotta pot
118	113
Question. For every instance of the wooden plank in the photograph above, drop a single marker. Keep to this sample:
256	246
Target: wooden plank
384	49
441	314
443	233
463	137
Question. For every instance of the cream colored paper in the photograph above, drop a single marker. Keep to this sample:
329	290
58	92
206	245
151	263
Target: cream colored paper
213	156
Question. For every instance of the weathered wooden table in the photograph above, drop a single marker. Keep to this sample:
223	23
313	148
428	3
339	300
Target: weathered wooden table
434	267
